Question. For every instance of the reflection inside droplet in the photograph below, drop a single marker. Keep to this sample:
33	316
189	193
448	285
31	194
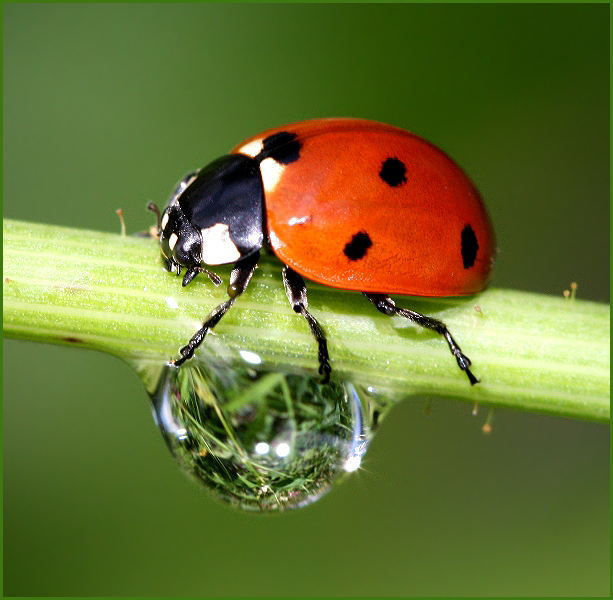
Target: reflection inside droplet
282	450
261	441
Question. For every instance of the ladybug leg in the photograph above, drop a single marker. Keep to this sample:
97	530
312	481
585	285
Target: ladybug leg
193	271
297	296
388	307
239	280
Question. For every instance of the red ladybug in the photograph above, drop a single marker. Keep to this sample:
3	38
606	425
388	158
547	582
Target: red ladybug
349	203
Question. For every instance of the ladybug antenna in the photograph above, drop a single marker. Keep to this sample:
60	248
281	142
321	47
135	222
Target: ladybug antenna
153	207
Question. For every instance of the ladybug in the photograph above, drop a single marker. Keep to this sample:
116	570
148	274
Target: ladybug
349	203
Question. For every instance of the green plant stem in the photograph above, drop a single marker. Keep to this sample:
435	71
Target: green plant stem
111	293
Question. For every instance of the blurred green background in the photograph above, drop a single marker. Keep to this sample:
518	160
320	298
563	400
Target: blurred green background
106	106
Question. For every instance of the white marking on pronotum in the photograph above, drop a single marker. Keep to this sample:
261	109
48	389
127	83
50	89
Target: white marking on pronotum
275	242
252	148
186	184
217	247
164	220
271	173
172	240
183	185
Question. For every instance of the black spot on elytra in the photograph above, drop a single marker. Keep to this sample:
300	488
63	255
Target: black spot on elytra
393	172
283	147
469	247
358	246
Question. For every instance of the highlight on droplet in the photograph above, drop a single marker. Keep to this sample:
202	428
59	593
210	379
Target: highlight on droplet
352	463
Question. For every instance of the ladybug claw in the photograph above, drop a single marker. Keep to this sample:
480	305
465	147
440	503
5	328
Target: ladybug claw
325	370
470	376
186	353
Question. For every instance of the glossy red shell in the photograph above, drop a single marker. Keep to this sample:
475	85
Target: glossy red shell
414	229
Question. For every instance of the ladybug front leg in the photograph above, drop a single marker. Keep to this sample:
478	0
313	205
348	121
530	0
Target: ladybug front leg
297	296
388	307
193	271
239	280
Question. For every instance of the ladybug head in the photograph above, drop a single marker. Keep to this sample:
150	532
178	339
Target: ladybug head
180	241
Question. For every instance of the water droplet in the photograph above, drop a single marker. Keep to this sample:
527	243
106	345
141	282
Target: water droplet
261	440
